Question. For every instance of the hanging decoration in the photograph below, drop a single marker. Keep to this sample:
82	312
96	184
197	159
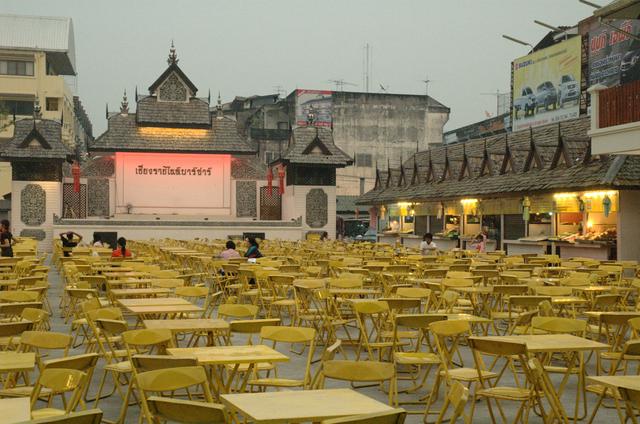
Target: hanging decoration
440	212
383	211
606	205
75	171
270	181
281	179
526	206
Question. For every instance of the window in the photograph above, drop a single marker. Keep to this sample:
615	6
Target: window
16	67
18	107
52	103
363	160
270	156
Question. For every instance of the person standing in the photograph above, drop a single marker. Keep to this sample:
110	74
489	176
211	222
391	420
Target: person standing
6	239
69	241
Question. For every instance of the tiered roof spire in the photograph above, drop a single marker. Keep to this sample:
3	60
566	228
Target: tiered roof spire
173	57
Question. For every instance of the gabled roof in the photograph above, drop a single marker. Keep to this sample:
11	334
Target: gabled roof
124	135
547	172
40	139
192	114
173	67
310	145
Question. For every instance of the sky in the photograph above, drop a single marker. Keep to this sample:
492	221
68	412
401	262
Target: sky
243	47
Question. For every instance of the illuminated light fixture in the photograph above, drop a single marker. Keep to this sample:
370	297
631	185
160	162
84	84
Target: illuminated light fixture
468	201
560	196
589	223
173	132
404	204
592	194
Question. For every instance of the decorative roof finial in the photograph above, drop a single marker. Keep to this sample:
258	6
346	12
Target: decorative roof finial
124	105
219	114
37	112
311	116
173	57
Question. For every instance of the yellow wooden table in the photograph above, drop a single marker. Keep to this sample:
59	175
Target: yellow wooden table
163	311
142	292
190	325
217	357
15	410
154	301
15	362
301	405
613	383
573	346
144	282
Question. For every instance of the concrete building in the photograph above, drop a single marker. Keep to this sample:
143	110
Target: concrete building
373	128
36	55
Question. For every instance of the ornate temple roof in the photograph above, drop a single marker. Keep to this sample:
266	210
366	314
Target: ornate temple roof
549	158
311	145
171	119
36	139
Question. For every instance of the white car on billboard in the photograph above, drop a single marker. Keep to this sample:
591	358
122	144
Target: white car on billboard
568	90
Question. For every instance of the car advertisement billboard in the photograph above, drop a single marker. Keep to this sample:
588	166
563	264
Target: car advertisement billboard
614	57
318	100
546	85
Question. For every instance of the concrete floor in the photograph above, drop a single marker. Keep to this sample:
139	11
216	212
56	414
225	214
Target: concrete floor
294	368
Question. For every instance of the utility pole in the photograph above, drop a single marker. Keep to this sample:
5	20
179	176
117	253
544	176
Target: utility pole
367	59
426	82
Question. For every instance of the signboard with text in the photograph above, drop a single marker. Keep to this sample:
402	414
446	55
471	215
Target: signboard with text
614	57
173	183
546	85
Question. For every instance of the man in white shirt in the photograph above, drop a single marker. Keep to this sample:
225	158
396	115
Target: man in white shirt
427	246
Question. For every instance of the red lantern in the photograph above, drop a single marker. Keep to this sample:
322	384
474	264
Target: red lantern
281	179
270	181
75	171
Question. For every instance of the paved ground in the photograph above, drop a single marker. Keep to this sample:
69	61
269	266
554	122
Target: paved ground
294	368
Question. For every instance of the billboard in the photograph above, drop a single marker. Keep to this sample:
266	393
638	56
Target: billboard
614	57
546	85
320	101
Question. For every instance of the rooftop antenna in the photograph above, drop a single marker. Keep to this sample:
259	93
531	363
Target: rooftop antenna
384	88
499	96
279	89
367	60
340	83
426	82
588	3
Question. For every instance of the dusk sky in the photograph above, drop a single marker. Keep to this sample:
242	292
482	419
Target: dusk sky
241	48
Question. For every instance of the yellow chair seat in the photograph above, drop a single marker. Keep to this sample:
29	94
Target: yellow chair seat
560	370
278	382
78	322
503	315
284	302
252	292
416	358
124	366
22	391
262	366
599	389
610	355
505	393
468	374
46	413
409	334
10	340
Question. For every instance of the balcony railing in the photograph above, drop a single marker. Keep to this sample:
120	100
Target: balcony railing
619	105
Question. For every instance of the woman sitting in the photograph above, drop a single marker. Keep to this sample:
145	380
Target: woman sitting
121	251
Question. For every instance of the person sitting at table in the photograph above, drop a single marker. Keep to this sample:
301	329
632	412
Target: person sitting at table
230	251
97	240
427	246
253	250
69	241
324	236
6	239
121	251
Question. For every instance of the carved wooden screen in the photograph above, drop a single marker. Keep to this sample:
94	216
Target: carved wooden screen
270	206
74	205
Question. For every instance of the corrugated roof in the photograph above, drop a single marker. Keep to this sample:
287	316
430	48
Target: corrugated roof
53	35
